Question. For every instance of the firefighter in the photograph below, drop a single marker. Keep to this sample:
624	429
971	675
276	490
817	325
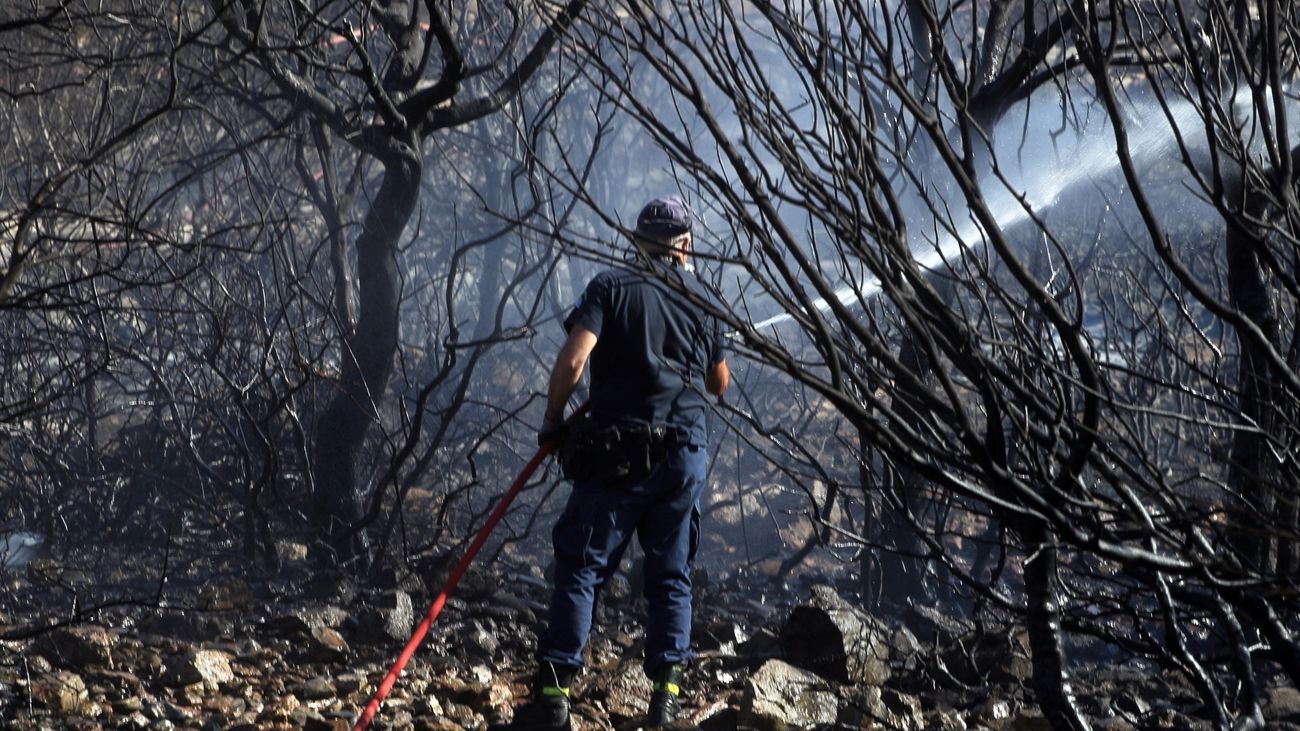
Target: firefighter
638	459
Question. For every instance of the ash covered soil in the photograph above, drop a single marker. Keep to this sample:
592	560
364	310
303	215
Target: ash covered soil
232	652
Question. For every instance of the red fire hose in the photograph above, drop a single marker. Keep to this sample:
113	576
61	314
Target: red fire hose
372	706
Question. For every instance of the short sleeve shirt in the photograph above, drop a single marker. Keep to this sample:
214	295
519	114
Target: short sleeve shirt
653	350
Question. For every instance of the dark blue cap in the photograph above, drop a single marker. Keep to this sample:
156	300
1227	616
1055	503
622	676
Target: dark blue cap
664	216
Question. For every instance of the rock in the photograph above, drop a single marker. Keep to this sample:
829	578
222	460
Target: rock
331	587
182	626
175	713
288	551
316	689
1166	717
209	667
398	577
837	641
133	721
427	705
723	636
349	683
932	625
1028	719
1129	705
319	722
903	643
944	720
77	647
479	644
763	645
296	626
326	645
279	710
991	657
486	696
623	690
883	707
230	593
481	674
780	696
461	714
192	694
436	723
995	712
304	717
391	617
1282	704
62	692
515	604
39	665
128	686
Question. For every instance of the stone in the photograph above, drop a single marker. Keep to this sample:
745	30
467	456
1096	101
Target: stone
479	644
349	683
1028	719
315	689
427	705
944	720
230	593
325	644
994	656
321	722
931	625
288	551
391	617
295	626
722	636
622	689
134	721
78	647
994	712
837	641
38	665
1282	704
883	707
780	696
209	667
128	686
62	692
1129	705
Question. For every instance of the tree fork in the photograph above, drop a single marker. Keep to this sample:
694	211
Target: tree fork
367	364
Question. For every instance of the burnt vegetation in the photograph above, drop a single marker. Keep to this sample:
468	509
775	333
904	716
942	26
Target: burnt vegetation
1013	290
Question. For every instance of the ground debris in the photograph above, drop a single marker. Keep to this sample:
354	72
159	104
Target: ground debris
772	655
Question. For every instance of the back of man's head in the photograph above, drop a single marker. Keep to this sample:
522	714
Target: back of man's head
664	225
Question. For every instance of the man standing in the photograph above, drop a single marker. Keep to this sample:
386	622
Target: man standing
639	464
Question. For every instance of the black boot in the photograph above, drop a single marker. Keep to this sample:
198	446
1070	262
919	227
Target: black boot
547	708
664	704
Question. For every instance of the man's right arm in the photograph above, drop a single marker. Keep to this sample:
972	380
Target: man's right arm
569	365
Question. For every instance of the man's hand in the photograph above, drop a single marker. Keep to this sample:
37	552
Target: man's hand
552	432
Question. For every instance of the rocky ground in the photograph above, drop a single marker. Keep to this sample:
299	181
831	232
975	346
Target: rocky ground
269	654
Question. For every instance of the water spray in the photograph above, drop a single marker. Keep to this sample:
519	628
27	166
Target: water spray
1094	159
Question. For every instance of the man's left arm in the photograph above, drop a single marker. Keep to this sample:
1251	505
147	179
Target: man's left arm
718	379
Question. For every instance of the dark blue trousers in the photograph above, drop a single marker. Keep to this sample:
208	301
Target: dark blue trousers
598	522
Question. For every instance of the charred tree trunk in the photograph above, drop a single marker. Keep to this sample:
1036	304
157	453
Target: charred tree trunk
1051	681
1253	466
366	364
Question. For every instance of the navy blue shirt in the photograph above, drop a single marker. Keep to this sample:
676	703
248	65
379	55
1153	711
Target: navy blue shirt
654	347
